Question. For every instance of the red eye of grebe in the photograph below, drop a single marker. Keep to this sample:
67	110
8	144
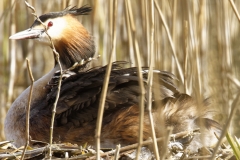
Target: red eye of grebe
50	24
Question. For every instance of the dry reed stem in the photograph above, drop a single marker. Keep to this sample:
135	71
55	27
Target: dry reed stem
201	30
146	27
116	155
13	57
171	42
28	108
150	81
234	107
105	84
234	80
139	69
235	9
130	41
195	49
2	115
186	57
174	37
168	137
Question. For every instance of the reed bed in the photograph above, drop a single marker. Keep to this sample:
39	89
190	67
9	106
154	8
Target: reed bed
196	40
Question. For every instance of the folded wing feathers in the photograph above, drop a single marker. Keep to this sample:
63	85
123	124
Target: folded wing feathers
80	93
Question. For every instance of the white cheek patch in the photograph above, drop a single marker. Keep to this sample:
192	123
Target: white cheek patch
59	24
54	31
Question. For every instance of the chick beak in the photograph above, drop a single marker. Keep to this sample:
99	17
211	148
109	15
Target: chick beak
27	34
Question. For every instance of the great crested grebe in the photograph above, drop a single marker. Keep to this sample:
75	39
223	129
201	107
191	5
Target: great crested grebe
77	107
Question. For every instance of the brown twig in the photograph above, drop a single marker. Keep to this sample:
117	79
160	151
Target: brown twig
198	157
173	137
105	84
80	64
77	150
28	108
60	77
38	151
